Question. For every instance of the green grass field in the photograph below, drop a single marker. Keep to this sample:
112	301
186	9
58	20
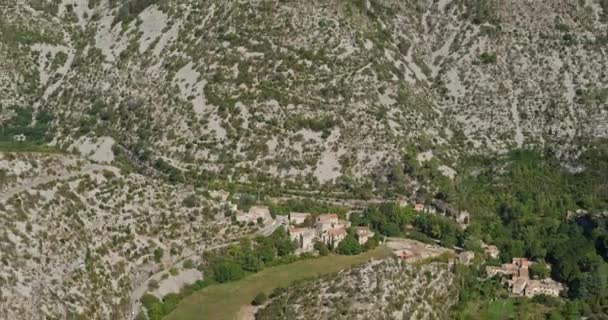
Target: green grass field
499	309
27	147
504	309
223	301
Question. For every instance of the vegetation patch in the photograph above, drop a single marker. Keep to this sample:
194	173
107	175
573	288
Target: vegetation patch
21	34
27	147
131	9
24	129
223	301
521	204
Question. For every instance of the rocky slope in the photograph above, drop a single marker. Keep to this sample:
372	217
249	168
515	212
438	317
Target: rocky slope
386	289
312	91
78	237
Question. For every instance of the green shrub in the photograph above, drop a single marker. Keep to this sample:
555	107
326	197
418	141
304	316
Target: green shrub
190	201
487	58
170	302
228	271
131	9
349	246
153	306
259	299
153	285
539	270
188	264
322	248
158	254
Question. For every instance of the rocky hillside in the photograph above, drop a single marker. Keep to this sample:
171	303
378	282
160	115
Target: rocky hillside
311	91
386	289
306	93
80	239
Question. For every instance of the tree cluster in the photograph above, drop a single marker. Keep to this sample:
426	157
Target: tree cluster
251	256
521	204
388	219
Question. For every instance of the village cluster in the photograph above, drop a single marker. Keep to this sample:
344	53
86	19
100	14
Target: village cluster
327	228
516	276
306	229
303	229
440	207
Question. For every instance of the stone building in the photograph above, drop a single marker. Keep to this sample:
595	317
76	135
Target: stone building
328	228
462	217
520	282
298	217
491	251
363	234
546	286
254	214
466	257
305	237
333	236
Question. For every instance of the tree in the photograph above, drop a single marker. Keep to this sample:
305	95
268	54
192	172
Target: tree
259	299
539	270
153	306
282	242
285	247
322	248
471	243
153	285
512	249
488	58
591	284
158	254
227	271
602	246
349	246
251	262
265	252
397	178
371	243
246	201
190	201
170	302
188	264
555	315
391	229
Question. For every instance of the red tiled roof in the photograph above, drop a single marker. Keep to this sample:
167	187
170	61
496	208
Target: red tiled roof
337	231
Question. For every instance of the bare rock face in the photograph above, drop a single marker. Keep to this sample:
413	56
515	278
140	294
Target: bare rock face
98	150
311	91
386	289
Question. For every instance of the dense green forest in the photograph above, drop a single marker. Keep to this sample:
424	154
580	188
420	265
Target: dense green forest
521	204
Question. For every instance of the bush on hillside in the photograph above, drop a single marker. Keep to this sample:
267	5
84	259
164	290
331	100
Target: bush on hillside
259	299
